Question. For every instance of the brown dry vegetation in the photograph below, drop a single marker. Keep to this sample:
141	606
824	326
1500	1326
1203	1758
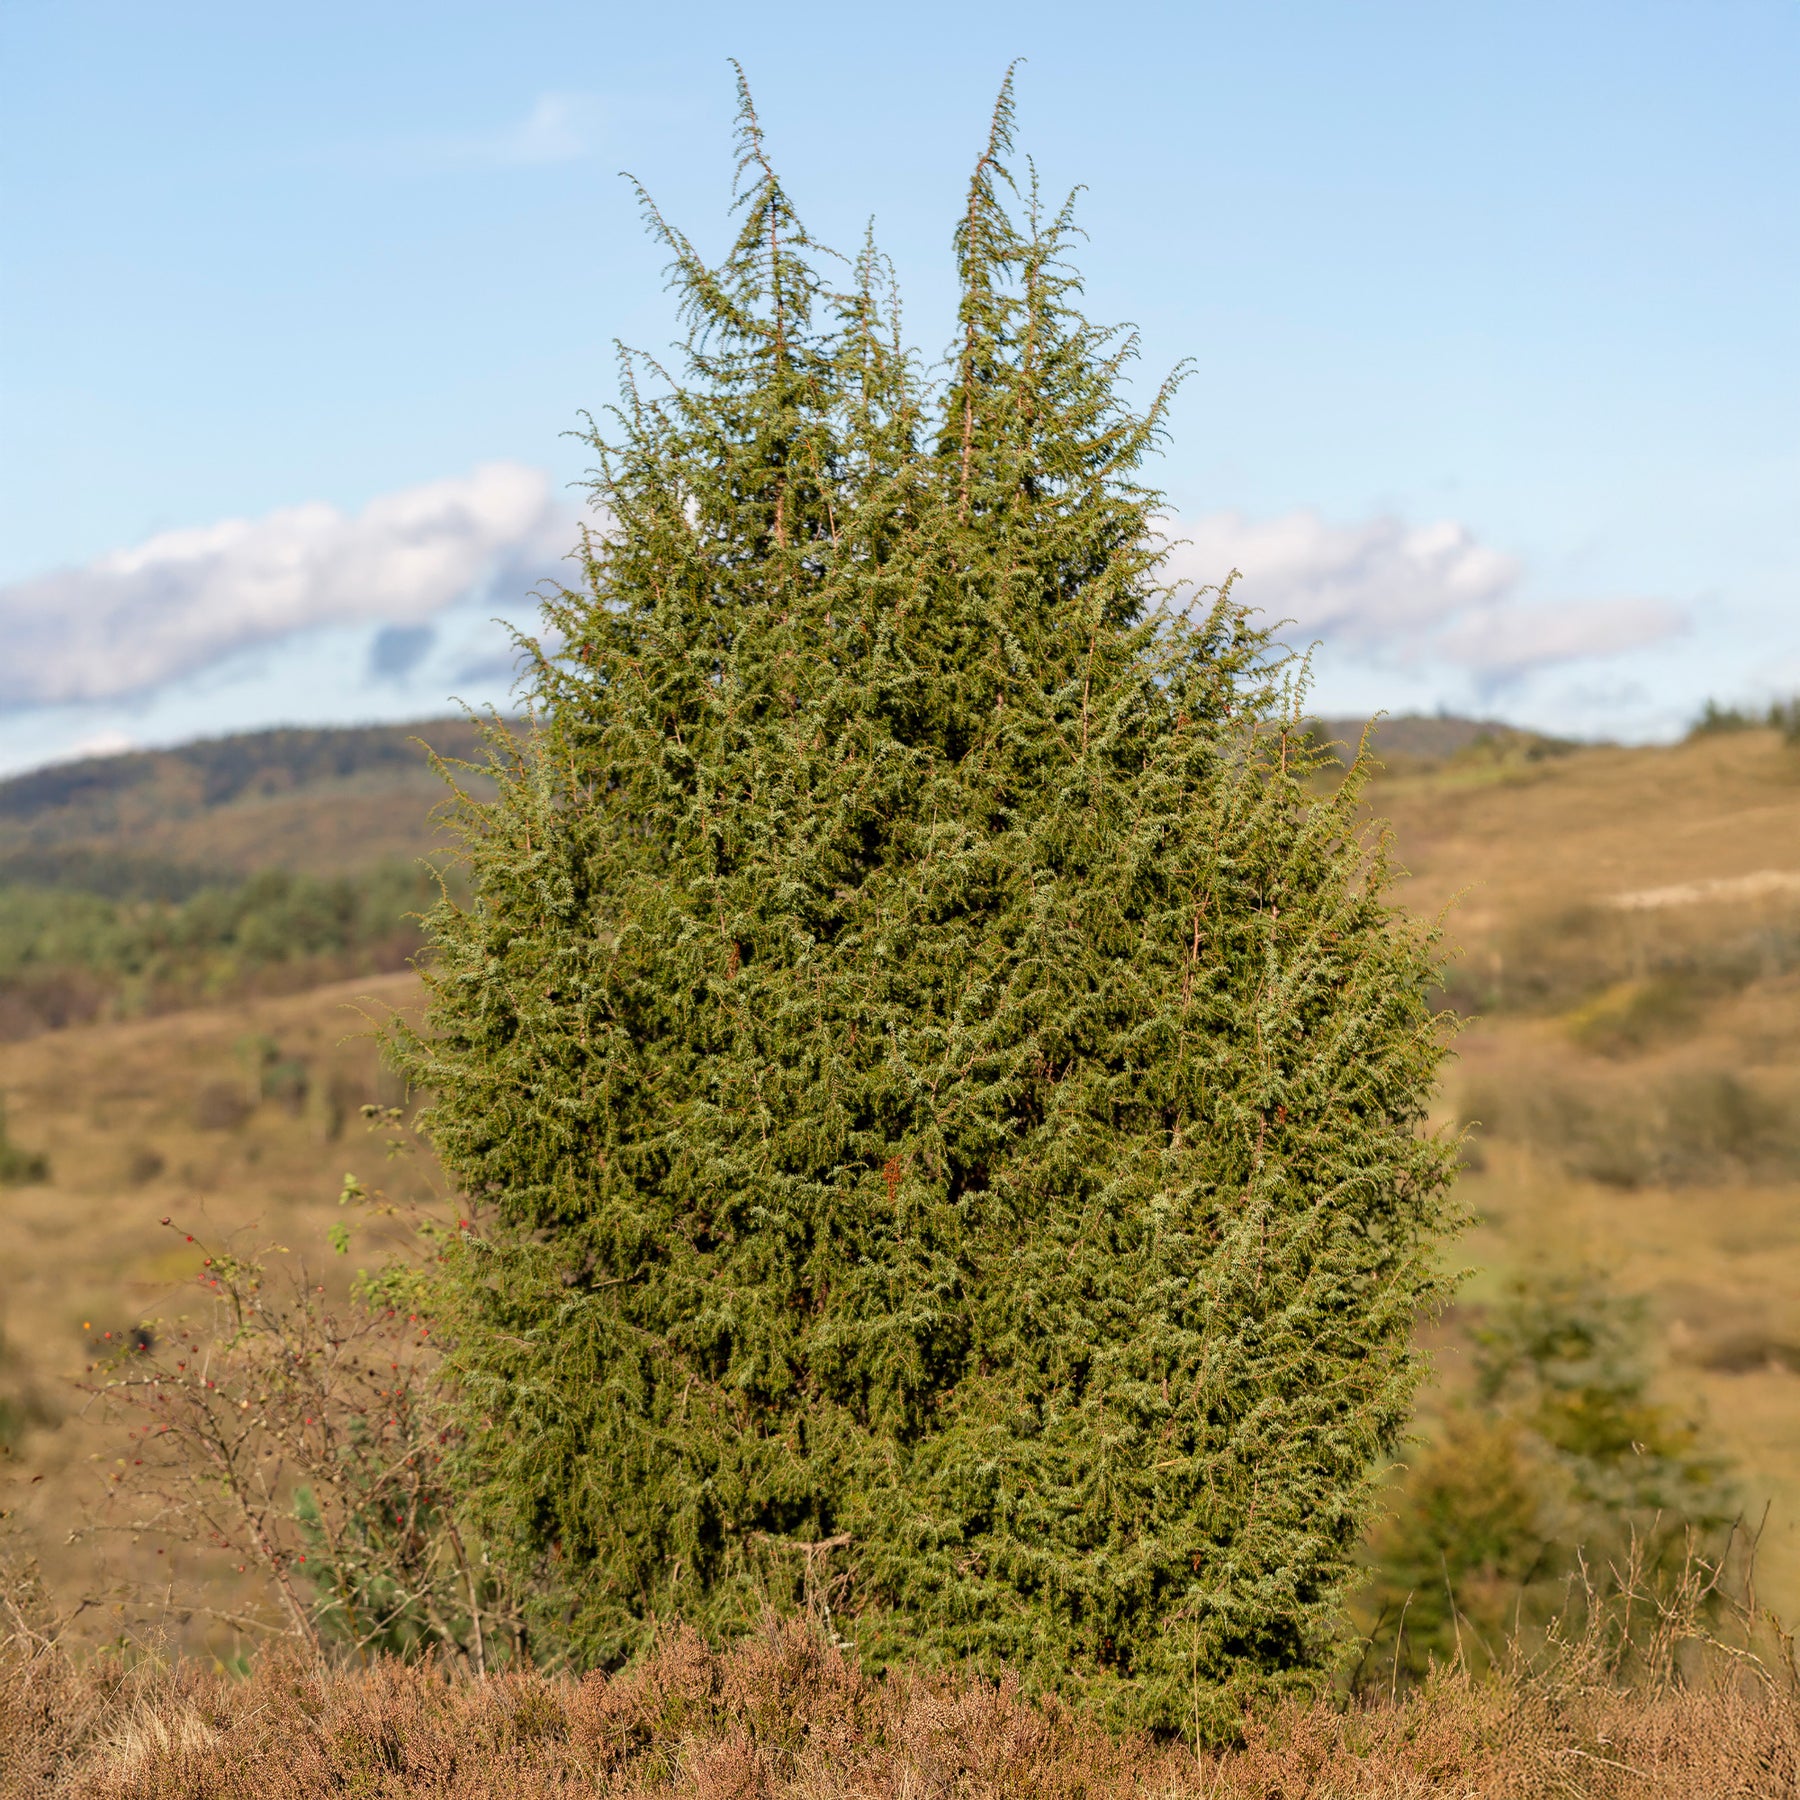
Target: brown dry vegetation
786	1715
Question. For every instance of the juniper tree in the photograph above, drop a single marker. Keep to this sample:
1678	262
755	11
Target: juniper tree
941	1066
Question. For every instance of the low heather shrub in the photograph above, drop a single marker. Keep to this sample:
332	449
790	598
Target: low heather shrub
785	1716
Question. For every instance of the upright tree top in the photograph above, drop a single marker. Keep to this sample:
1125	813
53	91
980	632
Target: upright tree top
944	1077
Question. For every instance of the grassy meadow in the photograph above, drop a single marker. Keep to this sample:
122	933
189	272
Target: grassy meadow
1628	924
171	1117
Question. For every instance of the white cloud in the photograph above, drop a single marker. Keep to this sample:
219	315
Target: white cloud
1403	595
560	127
140	617
1382	593
1508	640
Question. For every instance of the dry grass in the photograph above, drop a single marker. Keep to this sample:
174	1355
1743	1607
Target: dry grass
1517	840
131	1118
785	1715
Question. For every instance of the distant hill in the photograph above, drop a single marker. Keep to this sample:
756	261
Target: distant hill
1411	742
275	861
268	862
163	824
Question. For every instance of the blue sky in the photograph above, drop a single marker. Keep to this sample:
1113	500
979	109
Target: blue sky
1494	311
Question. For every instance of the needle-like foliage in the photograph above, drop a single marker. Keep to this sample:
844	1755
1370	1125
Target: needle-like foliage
943	1077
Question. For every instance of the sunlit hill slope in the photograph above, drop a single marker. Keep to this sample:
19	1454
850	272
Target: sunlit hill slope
1627	928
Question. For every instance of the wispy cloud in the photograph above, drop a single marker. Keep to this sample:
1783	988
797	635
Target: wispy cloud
137	618
1382	593
1404	595
561	127
1505	641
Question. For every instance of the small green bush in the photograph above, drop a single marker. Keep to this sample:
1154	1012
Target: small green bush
221	1105
1635	1015
143	1163
19	1167
1561	1461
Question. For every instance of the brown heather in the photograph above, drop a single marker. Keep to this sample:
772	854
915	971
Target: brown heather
783	1714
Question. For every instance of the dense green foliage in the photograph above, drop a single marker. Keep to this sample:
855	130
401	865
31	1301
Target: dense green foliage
943	1076
67	955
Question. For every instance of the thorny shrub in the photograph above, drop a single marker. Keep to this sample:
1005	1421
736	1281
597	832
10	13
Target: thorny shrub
303	1441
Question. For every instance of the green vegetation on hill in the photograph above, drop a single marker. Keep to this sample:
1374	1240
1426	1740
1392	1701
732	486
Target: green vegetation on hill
68	957
163	824
1778	715
269	861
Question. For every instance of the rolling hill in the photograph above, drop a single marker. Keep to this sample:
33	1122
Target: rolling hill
163	824
269	862
1627	924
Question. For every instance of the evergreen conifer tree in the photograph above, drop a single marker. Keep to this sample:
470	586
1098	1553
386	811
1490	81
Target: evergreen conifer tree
943	1073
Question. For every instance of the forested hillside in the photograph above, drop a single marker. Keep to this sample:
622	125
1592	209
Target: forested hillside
267	862
163	824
